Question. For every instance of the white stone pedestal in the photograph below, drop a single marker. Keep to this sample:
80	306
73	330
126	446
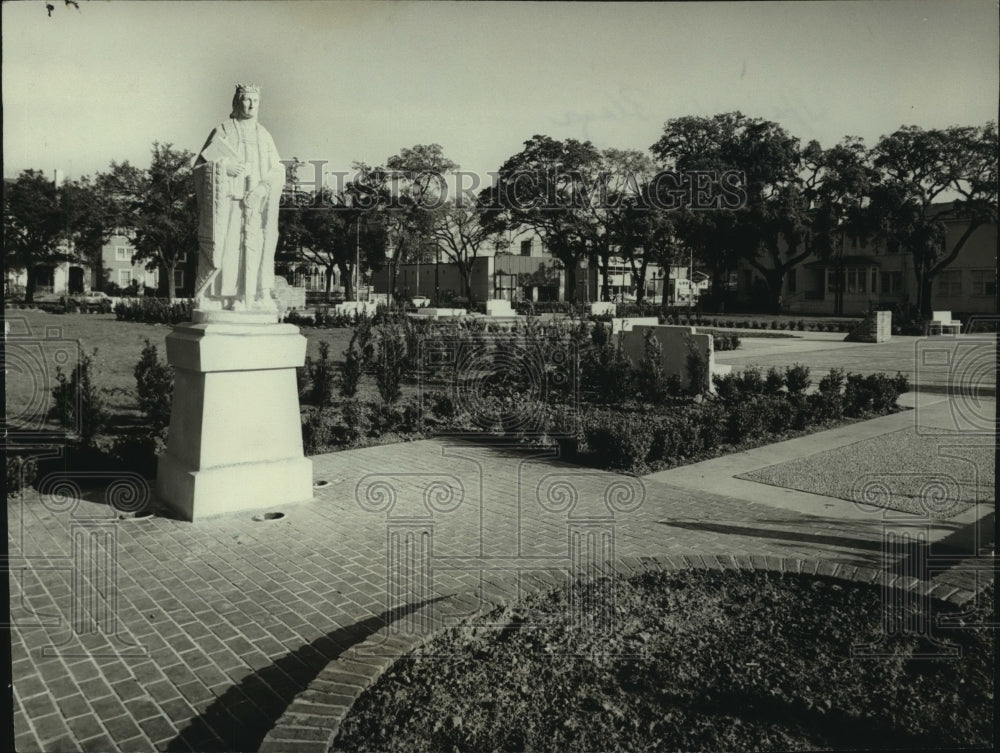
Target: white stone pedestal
235	440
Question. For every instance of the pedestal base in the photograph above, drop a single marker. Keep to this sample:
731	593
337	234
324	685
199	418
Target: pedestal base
235	440
232	488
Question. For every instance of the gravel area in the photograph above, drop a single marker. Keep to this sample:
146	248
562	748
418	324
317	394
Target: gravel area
938	476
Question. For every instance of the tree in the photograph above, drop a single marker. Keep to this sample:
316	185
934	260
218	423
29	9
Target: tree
335	231
411	189
917	170
460	235
544	187
647	235
769	227
161	207
607	216
34	224
91	219
837	185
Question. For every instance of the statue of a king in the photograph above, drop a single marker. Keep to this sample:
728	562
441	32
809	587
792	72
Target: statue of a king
238	179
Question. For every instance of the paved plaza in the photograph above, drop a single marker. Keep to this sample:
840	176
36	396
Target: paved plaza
235	633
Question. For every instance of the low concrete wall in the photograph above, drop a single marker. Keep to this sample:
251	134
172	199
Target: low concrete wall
437	313
626	324
677	343
287	296
352	308
499	307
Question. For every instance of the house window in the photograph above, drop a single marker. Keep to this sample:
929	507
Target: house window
122	253
791	281
831	280
178	279
124	278
950	283
153	278
182	257
526	248
984	282
892	283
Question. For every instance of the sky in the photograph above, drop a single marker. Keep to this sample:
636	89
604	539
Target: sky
344	82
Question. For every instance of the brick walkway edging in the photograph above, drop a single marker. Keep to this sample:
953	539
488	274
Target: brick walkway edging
312	720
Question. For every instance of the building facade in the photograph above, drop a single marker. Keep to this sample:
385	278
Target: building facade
118	275
871	277
521	269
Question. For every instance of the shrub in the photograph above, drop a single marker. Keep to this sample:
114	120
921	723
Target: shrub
154	310
802	324
321	376
875	393
650	379
138	452
825	406
318	430
725	342
750	382
78	402
800	410
302	380
902	382
711	425
294	317
832	382
773	382
390	362
697	364
21	473
777	413
442	406
357	420
606	371
726	387
797	378
154	382
746	419
622	440
359	355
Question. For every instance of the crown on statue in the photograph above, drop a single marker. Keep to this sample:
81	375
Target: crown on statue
247	89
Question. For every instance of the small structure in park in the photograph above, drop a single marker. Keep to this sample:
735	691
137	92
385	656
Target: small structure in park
876	327
235	440
681	348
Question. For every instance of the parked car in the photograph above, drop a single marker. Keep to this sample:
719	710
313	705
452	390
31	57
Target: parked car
48	301
92	300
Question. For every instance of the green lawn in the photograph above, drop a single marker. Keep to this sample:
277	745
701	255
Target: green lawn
37	339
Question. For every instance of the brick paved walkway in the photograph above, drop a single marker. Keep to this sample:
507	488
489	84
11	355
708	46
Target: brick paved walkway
153	633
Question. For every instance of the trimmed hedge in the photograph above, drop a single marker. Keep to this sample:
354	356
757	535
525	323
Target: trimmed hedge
154	310
751	406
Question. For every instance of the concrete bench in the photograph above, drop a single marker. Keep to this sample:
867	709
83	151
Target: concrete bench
943	324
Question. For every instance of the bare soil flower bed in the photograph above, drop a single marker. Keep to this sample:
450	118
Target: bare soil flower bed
733	661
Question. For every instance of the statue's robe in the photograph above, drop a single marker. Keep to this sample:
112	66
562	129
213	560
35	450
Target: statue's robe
237	244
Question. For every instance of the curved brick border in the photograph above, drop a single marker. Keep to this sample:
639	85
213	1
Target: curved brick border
313	718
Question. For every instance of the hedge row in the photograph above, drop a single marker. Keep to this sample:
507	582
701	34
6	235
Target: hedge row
154	310
751	406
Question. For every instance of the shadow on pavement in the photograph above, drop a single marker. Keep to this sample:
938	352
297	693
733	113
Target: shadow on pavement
800	537
240	718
